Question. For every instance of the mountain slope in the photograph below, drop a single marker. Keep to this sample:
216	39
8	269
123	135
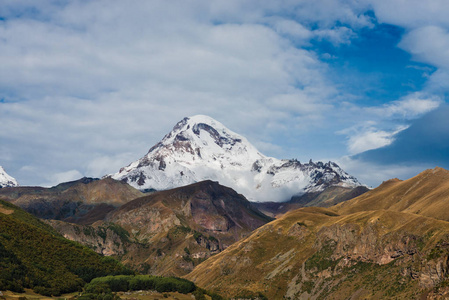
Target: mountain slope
33	255
169	232
6	180
313	253
200	148
426	194
205	206
391	242
82	201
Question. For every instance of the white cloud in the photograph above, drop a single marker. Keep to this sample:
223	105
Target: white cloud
411	13
292	29
371	138
429	44
411	106
337	36
377	126
426	35
89	86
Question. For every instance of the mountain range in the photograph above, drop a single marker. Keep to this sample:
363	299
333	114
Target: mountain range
201	148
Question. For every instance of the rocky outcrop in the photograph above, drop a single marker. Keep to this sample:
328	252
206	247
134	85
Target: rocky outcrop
105	239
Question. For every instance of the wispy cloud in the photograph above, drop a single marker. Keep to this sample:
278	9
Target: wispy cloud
412	106
368	137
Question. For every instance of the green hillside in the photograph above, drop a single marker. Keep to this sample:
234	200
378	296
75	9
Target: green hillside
33	255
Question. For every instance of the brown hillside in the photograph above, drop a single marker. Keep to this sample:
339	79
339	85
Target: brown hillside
391	242
312	253
169	232
205	206
426	194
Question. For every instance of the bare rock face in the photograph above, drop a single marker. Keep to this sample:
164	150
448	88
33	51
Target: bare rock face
366	244
105	239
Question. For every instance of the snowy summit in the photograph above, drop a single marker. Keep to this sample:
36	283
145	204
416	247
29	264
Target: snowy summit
200	148
6	180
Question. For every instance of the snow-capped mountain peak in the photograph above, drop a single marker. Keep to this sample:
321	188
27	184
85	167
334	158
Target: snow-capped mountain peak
200	148
205	138
6	180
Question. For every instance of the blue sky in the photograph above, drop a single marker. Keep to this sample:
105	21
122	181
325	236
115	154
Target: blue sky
86	87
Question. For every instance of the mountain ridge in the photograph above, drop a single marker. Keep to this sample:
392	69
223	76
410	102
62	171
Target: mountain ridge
81	201
425	194
169	232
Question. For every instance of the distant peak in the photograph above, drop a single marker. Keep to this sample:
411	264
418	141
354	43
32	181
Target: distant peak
6	180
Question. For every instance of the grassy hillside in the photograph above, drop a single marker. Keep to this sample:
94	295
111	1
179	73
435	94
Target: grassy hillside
316	253
389	243
426	194
33	255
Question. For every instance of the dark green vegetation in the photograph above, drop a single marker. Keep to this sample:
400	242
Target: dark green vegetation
33	255
105	287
